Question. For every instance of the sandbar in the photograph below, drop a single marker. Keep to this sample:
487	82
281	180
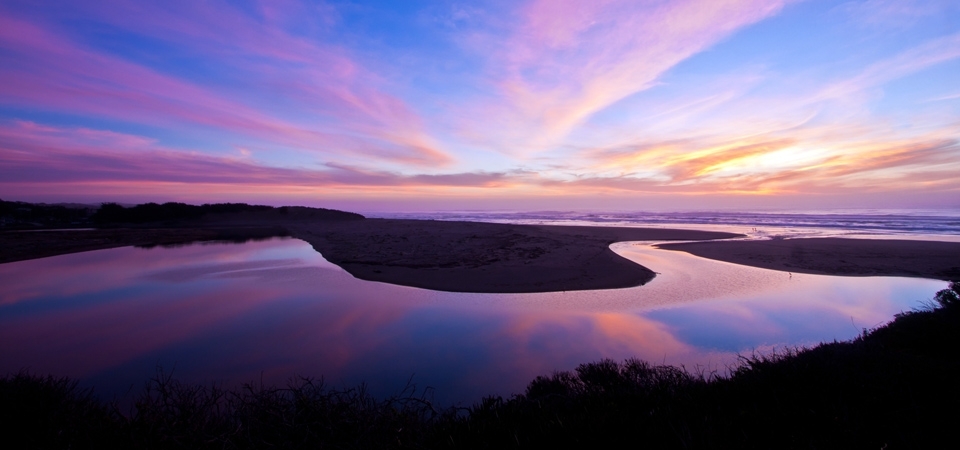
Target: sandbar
506	258
837	256
438	255
486	257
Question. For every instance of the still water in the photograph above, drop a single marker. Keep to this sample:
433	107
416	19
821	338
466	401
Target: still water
270	310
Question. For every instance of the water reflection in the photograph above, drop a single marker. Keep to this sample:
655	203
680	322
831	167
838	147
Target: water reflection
273	309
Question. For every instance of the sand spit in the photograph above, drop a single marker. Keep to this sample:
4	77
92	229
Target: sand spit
837	256
503	258
486	257
439	255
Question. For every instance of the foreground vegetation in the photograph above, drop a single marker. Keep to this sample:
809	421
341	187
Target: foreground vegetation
892	387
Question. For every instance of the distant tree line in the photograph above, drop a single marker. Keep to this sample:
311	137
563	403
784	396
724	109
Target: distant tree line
154	212
40	215
22	215
112	213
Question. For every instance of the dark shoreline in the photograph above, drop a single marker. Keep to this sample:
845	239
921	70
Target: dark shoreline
504	258
34	244
837	256
465	256
438	255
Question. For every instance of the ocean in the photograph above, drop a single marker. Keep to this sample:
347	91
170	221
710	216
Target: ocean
779	224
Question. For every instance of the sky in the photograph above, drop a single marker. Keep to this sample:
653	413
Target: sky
497	105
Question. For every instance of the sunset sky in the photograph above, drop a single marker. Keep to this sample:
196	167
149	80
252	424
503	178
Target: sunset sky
426	105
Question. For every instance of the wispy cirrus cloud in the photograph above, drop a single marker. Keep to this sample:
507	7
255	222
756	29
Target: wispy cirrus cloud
817	138
338	111
567	60
897	13
37	154
910	61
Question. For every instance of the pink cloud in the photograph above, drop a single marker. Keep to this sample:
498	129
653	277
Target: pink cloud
52	72
568	60
32	154
43	160
797	161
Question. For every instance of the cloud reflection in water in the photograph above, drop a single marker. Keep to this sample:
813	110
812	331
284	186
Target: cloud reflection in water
274	309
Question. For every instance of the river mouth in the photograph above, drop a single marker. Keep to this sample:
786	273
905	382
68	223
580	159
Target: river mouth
275	309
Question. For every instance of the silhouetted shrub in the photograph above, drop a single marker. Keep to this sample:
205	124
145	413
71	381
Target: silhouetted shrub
948	297
51	412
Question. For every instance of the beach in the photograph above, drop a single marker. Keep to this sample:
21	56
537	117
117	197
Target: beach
510	258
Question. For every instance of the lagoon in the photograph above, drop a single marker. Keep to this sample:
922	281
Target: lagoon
266	311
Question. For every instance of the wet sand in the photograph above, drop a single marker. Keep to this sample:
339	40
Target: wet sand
837	256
